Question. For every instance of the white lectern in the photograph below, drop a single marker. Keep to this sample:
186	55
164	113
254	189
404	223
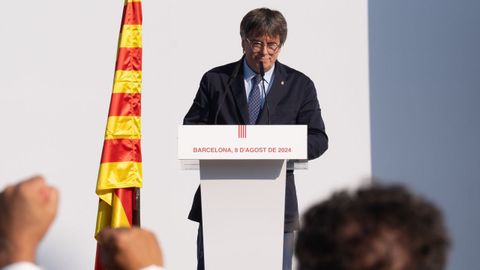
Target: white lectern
242	173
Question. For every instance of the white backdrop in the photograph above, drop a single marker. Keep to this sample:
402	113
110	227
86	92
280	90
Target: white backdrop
55	78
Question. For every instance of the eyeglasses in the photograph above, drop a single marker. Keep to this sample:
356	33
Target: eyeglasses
257	46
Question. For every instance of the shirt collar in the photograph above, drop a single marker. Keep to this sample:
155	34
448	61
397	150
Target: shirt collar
248	73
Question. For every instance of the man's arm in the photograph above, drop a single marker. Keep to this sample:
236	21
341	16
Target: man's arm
310	114
199	112
27	210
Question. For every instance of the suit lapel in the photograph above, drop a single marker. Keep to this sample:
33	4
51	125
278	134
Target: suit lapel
277	91
237	85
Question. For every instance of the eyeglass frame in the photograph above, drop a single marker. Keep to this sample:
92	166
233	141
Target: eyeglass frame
270	50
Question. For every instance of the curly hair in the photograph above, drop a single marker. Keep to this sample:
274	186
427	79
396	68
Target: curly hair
375	228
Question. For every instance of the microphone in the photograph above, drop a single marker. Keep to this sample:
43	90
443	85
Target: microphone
262	73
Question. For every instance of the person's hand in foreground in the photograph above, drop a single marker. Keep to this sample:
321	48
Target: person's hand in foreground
27	210
129	248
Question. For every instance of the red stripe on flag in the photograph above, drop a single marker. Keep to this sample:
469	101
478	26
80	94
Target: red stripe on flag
98	259
129	59
118	150
132	13
125	104
126	197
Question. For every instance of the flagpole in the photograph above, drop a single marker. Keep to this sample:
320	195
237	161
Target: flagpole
136	208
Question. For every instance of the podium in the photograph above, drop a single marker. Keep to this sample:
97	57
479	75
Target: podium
243	174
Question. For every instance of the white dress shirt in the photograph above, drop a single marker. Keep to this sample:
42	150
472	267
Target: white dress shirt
248	74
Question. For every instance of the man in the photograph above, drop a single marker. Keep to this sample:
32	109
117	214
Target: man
27	210
376	228
258	89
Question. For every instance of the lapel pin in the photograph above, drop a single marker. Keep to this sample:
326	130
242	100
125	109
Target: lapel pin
282	82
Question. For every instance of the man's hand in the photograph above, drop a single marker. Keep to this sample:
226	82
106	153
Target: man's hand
129	248
27	210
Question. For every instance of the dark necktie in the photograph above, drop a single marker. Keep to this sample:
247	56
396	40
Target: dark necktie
254	100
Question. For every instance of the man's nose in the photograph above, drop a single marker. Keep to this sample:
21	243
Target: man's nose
264	49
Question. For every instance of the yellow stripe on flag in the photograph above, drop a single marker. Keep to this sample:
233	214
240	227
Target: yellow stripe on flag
123	127
104	216
119	217
127	87
119	175
111	216
127	81
129	1
128	76
131	36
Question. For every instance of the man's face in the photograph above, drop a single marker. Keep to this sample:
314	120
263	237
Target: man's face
262	49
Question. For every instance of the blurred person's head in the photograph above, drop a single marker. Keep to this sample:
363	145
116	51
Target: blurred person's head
375	228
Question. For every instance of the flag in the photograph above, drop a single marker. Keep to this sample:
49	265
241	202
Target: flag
120	172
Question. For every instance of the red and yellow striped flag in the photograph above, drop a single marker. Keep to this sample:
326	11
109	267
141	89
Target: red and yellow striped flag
120	173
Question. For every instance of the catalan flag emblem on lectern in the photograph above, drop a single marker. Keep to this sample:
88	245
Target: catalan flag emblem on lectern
120	173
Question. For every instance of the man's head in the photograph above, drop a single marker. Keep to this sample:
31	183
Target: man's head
263	32
376	228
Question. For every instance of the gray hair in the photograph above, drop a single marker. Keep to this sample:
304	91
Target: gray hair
264	21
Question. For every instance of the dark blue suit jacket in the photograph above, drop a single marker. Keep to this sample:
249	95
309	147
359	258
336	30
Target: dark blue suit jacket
292	100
